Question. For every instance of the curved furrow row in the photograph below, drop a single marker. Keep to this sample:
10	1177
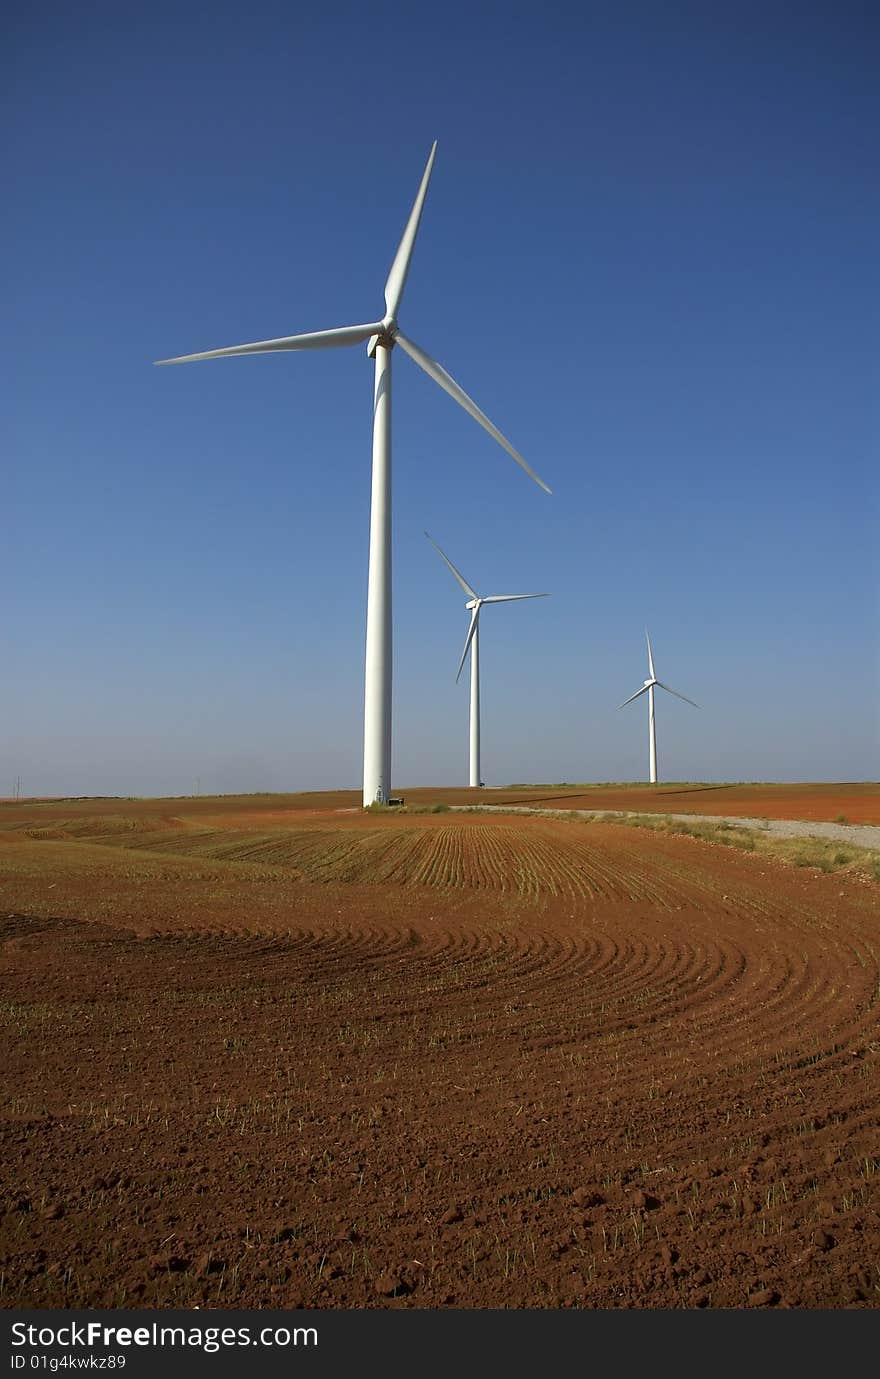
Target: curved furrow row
698	992
808	995
692	882
569	874
579	870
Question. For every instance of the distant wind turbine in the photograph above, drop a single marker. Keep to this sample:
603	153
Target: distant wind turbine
472	642
649	687
381	337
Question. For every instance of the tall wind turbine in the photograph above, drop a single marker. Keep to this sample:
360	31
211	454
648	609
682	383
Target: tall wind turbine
381	337
649	687
472	641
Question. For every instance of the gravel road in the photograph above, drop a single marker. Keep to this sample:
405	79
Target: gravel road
860	835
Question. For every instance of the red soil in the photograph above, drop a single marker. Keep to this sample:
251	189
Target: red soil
433	1061
858	802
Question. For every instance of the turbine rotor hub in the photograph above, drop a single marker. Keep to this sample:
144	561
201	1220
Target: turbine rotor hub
385	337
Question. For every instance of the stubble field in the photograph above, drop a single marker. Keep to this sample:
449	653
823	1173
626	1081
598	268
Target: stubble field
257	1054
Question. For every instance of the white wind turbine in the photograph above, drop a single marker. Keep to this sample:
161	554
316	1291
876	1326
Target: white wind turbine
472	641
381	337
649	687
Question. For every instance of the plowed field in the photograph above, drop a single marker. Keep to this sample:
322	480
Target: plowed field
262	1059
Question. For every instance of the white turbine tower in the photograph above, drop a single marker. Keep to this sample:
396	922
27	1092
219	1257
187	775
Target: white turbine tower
472	641
649	687
381	337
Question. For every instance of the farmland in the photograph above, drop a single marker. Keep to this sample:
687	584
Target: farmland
271	1051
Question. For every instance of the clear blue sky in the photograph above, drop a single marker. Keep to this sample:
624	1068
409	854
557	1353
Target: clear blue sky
649	252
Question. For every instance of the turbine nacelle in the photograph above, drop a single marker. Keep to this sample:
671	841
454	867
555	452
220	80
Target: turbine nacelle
386	335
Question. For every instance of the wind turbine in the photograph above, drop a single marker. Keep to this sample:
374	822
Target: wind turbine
472	641
649	686
381	337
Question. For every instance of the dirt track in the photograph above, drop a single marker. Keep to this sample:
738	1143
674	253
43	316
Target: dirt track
541	1064
859	835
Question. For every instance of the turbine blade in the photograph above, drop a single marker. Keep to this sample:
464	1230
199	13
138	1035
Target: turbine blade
633	696
461	579
669	690
312	340
650	657
468	639
446	381
509	598
400	267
